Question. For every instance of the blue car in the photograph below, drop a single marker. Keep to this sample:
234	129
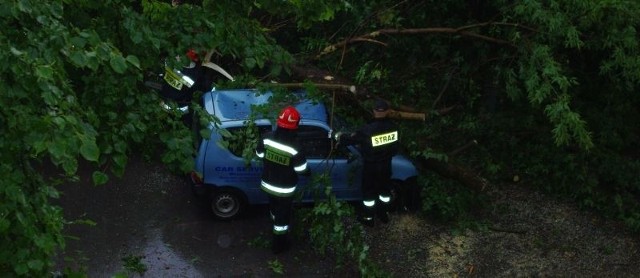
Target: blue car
230	181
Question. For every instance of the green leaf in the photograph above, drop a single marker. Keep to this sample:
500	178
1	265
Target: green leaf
25	6
89	150
120	146
78	58
70	165
92	60
205	133
16	51
223	144
21	269
35	264
87	222
225	133
99	178
118	63
4	225
44	72
134	61
250	62
120	160
78	42
57	149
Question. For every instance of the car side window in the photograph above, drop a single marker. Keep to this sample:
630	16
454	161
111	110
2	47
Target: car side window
314	141
243	139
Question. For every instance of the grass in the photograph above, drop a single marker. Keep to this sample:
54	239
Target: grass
134	264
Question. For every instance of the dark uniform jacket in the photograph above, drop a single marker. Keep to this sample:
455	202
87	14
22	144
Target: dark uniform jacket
283	161
378	140
185	94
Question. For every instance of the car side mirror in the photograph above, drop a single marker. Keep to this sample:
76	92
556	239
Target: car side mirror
351	158
352	154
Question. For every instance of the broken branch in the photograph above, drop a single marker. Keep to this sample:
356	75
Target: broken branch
370	36
406	115
460	149
350	88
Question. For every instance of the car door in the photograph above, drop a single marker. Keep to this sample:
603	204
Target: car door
227	167
342	170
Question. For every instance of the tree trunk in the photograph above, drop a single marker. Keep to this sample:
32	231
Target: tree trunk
449	170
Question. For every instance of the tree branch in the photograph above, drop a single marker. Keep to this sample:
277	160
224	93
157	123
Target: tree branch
350	88
446	85
446	30
449	169
462	148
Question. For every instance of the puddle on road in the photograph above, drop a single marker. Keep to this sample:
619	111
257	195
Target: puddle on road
161	260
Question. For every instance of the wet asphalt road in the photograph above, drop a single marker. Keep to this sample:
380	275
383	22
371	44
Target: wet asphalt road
150	213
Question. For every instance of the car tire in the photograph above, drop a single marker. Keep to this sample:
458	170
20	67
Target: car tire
227	204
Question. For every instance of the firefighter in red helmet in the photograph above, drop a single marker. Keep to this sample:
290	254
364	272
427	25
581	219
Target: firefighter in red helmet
181	85
283	162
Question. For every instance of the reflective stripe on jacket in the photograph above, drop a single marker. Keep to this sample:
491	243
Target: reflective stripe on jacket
283	161
277	190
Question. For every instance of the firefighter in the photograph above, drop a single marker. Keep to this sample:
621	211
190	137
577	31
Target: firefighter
181	85
378	142
283	161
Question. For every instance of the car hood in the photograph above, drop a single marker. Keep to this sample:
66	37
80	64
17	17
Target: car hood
233	105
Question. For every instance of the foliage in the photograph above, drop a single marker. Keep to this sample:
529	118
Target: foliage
72	77
242	141
276	266
134	264
331	229
449	202
21	213
547	88
260	241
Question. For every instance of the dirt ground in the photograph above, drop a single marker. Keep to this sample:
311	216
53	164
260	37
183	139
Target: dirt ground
528	235
149	218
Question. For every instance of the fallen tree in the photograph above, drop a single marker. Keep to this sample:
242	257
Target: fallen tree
448	169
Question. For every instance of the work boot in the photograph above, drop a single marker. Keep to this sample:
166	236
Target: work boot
280	244
366	221
365	216
382	212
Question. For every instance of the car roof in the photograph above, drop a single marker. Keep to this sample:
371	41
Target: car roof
233	105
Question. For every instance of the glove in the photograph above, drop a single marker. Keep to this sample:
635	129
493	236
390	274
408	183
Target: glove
337	136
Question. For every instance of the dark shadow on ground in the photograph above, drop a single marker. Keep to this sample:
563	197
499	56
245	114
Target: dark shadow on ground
151	214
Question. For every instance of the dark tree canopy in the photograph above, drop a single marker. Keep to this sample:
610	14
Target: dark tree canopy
546	90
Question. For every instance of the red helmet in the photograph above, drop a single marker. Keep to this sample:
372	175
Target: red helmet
289	118
192	55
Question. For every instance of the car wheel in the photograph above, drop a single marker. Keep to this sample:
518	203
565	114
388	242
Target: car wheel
227	203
